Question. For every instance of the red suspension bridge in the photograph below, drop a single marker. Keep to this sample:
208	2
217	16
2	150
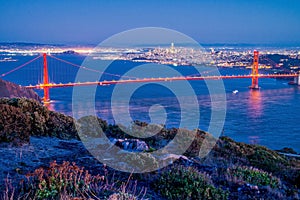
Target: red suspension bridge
46	84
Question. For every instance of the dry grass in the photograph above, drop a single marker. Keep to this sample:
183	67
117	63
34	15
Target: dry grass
68	181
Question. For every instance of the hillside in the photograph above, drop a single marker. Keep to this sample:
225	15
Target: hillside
10	90
232	170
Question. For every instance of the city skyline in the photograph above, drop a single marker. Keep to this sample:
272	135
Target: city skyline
253	22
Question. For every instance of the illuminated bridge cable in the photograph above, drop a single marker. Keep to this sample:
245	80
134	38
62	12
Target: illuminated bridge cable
19	67
89	69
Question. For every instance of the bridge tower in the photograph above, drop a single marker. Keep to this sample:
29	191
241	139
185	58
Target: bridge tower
46	80
255	71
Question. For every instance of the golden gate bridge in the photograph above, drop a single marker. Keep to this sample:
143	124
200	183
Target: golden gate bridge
45	84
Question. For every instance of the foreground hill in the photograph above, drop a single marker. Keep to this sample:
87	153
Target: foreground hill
231	170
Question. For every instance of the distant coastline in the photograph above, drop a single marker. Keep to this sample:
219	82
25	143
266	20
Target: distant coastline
281	58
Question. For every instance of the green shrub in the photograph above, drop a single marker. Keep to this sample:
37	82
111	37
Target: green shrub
267	160
253	176
187	183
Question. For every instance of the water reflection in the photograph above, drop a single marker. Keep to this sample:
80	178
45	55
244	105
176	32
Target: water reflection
255	107
254	139
49	105
59	106
255	104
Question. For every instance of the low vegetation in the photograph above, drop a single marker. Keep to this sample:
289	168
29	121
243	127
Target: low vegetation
231	170
253	176
69	181
21	118
181	182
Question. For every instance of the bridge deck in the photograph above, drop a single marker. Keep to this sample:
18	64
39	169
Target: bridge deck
103	83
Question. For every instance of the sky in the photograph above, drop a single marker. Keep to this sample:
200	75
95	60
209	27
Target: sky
210	21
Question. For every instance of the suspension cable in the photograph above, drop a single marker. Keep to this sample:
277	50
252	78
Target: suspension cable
19	67
89	69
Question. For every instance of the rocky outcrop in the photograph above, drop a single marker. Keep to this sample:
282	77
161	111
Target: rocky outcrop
287	150
10	90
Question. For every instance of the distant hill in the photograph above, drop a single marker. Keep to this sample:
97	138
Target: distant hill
8	89
20	44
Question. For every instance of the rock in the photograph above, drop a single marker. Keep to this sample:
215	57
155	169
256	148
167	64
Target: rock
141	146
170	158
132	144
287	150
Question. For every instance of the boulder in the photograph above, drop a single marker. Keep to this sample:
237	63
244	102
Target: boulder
132	144
287	150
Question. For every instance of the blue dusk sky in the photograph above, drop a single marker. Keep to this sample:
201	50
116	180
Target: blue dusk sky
90	22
